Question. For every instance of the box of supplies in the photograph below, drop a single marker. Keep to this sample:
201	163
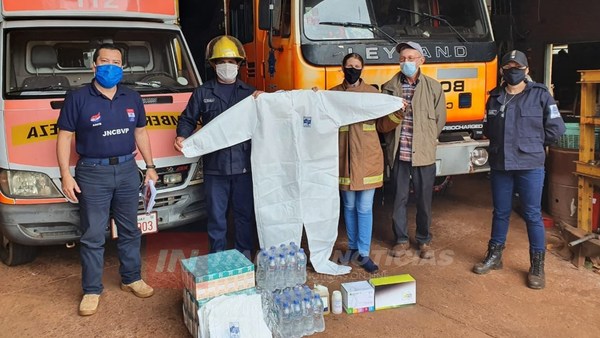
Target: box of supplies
394	291
358	297
216	274
192	305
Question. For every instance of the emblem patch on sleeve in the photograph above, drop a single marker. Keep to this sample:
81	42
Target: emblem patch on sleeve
554	112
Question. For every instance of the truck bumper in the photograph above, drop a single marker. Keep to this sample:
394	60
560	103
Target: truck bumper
454	158
56	224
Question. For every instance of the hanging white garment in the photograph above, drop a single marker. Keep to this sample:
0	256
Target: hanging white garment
294	160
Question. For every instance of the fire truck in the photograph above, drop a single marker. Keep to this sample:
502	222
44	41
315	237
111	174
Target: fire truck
299	44
47	49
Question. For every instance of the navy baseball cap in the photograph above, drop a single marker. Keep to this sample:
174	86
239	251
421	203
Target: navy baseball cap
515	56
409	44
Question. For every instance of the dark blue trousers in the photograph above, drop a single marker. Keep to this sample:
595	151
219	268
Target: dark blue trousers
529	185
107	189
220	190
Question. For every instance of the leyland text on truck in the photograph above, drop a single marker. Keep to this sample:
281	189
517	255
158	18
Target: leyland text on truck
47	49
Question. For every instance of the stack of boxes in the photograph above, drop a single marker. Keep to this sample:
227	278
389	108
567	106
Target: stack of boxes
205	277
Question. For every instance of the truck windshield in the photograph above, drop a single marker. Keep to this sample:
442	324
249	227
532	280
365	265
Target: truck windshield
453	20
49	62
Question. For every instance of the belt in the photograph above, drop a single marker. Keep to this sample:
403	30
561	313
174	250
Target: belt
109	160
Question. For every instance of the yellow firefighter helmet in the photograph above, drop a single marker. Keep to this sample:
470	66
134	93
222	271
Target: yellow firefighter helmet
225	46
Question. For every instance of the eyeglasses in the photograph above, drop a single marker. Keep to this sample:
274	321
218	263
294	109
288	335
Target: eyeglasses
409	59
507	67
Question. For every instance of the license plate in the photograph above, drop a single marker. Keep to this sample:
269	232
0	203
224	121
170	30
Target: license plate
147	223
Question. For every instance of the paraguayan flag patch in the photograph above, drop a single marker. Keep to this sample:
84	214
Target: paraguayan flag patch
554	113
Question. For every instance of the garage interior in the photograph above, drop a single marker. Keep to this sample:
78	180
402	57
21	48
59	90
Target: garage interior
560	39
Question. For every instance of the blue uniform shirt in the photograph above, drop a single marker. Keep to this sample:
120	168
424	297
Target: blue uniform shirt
206	103
103	128
519	126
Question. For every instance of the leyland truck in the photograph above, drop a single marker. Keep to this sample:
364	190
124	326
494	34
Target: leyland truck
299	44
47	48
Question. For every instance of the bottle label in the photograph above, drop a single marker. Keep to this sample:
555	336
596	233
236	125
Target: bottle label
325	300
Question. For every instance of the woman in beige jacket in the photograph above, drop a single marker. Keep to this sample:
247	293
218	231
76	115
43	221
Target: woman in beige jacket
361	166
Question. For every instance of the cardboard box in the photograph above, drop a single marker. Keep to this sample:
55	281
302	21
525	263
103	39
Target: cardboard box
216	274
358	297
192	305
394	291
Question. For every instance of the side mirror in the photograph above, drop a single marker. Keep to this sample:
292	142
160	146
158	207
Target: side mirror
263	15
269	14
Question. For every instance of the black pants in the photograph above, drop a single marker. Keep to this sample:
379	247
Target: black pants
422	181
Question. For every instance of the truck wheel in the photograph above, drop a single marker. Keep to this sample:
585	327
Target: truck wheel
13	254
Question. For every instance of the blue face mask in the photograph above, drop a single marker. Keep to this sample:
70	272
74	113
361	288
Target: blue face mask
108	75
409	68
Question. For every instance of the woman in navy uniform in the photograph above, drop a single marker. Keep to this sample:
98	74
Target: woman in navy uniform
109	121
227	176
521	119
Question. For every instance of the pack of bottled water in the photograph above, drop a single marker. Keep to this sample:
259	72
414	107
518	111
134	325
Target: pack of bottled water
278	268
293	312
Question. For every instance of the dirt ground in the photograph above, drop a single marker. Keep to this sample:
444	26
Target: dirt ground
40	299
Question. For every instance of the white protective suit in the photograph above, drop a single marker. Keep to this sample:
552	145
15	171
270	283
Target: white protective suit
294	160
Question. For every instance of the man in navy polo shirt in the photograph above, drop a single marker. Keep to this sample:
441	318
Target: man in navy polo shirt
109	121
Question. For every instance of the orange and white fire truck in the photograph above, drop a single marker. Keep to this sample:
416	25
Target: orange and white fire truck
47	48
298	44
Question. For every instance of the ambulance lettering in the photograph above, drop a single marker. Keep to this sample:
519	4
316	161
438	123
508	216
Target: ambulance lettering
114	132
42	130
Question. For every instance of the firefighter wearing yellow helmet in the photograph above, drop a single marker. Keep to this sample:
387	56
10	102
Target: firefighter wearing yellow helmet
227	174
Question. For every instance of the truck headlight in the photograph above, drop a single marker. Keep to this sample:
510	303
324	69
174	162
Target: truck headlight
27	184
479	157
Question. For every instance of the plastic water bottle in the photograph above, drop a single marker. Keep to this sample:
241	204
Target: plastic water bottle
297	328
271	275
262	260
301	270
318	320
286	322
308	325
281	272
292	266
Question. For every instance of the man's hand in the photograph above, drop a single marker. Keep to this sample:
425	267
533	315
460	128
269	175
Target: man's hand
256	93
179	143
151	175
70	187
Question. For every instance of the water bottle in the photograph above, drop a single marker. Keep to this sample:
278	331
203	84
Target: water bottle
307	317
301	270
318	320
297	328
292	266
262	259
281	272
286	323
293	246
271	274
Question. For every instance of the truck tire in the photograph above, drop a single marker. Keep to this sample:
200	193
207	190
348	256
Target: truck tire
13	254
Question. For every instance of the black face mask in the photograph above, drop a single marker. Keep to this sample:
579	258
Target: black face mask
351	75
513	76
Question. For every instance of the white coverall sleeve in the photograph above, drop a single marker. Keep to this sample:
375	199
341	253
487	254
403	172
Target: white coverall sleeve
233	126
351	107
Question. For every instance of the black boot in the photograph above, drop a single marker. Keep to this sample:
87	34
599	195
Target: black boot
492	260
536	277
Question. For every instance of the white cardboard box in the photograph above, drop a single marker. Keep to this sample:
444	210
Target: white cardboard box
394	291
358	297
